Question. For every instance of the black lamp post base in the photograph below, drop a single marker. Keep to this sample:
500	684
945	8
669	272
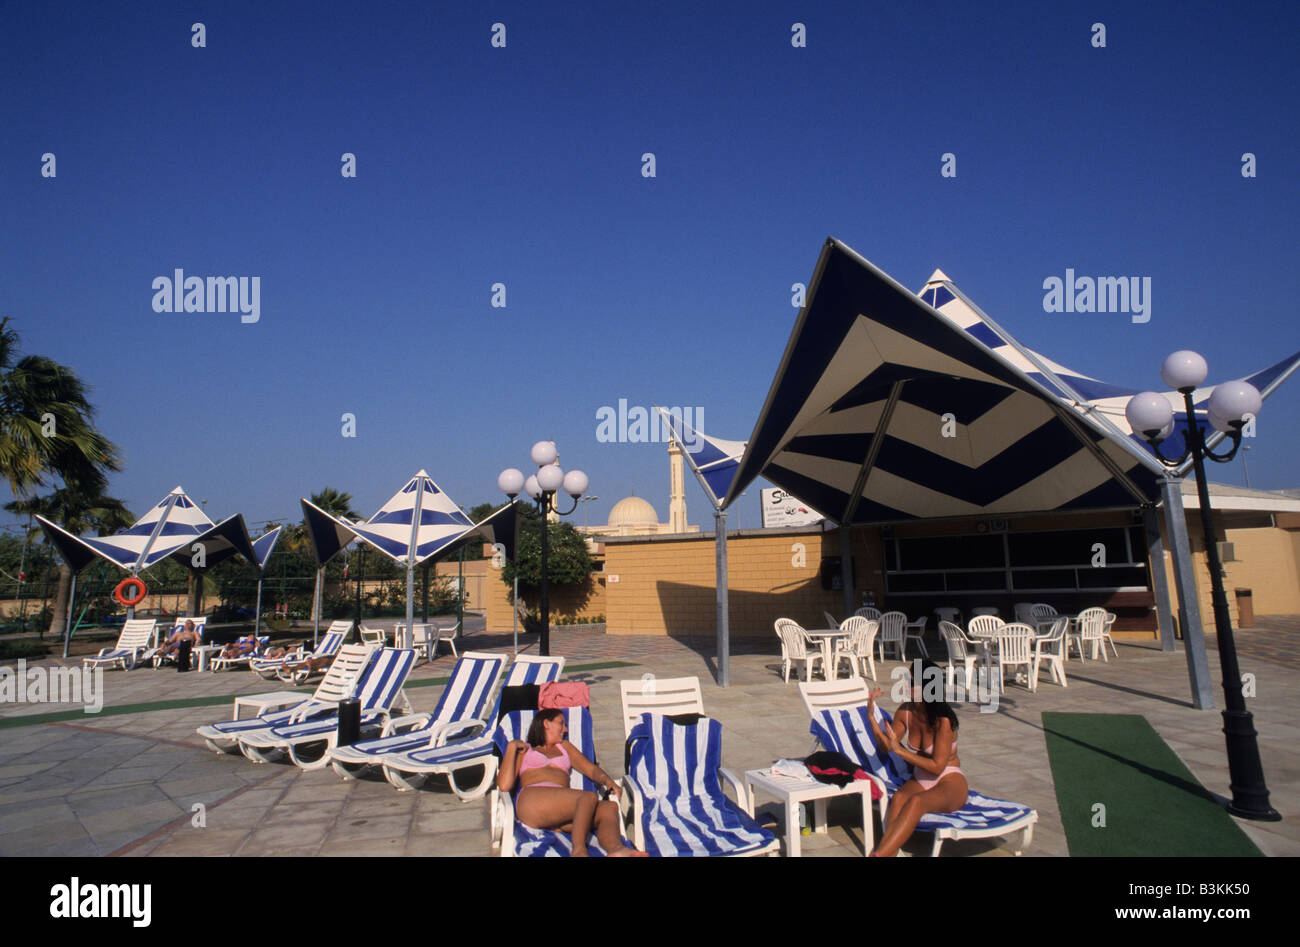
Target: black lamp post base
1246	772
1267	814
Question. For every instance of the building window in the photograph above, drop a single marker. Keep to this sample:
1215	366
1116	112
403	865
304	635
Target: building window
1110	559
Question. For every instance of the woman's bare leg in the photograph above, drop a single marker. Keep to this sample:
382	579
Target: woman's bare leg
583	818
609	829
948	796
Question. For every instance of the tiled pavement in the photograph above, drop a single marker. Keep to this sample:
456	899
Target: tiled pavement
128	784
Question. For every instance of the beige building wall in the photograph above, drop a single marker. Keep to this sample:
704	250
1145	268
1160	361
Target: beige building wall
666	587
1266	563
476	576
566	602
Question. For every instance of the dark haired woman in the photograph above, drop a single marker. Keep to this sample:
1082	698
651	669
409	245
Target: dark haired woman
924	733
541	765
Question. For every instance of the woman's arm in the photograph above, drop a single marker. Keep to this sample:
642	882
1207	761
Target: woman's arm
887	740
508	771
589	769
938	762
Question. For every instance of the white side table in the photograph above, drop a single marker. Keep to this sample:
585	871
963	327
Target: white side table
792	791
260	703
204	653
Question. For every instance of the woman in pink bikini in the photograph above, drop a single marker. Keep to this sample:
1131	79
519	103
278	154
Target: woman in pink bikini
541	765
924	733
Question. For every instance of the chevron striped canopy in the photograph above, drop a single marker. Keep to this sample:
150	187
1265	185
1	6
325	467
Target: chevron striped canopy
171	528
419	521
713	460
1087	396
890	406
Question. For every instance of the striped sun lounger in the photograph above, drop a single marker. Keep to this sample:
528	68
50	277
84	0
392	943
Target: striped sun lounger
846	730
308	742
133	645
678	806
269	668
406	769
338	683
459	713
519	840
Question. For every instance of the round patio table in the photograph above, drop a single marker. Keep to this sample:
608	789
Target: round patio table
825	638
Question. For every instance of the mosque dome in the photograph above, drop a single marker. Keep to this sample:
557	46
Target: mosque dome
633	511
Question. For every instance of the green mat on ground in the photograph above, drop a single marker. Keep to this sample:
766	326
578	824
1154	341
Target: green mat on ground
1153	804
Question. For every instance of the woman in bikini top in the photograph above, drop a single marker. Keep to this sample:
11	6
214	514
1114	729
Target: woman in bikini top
937	783
541	766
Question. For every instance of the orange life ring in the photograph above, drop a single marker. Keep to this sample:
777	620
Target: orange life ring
125	584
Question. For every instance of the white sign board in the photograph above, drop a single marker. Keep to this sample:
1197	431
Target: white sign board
782	509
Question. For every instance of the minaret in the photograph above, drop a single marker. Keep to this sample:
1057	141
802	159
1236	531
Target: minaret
676	489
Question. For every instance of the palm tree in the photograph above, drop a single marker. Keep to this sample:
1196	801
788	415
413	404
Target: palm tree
78	511
46	424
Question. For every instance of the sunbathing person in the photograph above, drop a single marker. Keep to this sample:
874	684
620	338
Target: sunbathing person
924	733
541	766
312	665
173	643
241	647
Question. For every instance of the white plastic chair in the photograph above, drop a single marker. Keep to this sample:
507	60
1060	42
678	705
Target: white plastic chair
1105	633
858	647
959	649
831	621
1090	629
1050	648
985	626
915	631
984	610
1015	649
795	646
893	633
1023	611
867	612
447	634
949	614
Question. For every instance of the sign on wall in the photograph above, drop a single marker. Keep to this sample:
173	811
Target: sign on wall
782	509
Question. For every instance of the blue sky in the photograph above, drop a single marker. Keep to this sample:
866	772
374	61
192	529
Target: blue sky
478	165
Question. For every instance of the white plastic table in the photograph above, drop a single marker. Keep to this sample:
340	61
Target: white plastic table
260	703
792	791
204	653
825	637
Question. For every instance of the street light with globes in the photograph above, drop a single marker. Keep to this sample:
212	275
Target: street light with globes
542	487
1232	406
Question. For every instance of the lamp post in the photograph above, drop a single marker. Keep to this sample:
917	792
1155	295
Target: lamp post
585	524
542	487
1232	405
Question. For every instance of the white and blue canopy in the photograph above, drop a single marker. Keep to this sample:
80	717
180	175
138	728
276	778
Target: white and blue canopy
890	406
417	524
1085	395
264	545
713	460
170	528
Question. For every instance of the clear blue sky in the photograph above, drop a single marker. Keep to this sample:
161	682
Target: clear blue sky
522	165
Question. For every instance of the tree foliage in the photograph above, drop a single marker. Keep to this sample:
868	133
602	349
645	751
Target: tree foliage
569	563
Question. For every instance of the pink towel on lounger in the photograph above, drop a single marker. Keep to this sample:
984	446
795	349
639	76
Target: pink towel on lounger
561	694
